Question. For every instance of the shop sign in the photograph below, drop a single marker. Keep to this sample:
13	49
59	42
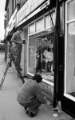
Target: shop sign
29	7
12	21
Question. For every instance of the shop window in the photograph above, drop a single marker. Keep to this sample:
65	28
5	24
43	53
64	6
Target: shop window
70	49
41	55
54	17
33	44
32	29
44	55
71	10
48	22
40	25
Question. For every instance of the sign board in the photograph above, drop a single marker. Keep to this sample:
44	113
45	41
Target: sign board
11	22
29	7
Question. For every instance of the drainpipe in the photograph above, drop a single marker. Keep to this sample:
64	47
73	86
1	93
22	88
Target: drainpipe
57	34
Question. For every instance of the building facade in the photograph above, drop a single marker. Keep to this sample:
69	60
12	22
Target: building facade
10	7
38	29
48	28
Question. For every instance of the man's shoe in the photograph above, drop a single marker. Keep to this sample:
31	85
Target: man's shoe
22	78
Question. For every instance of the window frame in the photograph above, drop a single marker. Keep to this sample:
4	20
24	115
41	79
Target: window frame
67	22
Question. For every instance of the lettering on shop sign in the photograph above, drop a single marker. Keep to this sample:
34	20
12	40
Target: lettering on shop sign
11	22
29	7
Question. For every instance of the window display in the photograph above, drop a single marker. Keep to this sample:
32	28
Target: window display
41	55
44	55
40	46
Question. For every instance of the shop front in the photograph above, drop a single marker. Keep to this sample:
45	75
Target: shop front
40	48
46	52
38	23
41	54
23	20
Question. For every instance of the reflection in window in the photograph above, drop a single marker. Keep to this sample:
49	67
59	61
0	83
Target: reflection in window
41	55
44	56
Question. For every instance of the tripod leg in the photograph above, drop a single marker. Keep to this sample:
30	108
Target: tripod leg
3	78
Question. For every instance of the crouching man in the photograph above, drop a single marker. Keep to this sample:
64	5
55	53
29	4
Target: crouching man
30	95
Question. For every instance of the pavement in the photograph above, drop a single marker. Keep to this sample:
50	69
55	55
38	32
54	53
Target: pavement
10	108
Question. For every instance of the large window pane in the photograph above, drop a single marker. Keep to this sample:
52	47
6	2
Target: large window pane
71	28
48	22
32	56
71	10
70	58
32	29
41	55
40	25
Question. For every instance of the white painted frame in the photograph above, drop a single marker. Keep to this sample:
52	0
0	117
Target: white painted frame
66	24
